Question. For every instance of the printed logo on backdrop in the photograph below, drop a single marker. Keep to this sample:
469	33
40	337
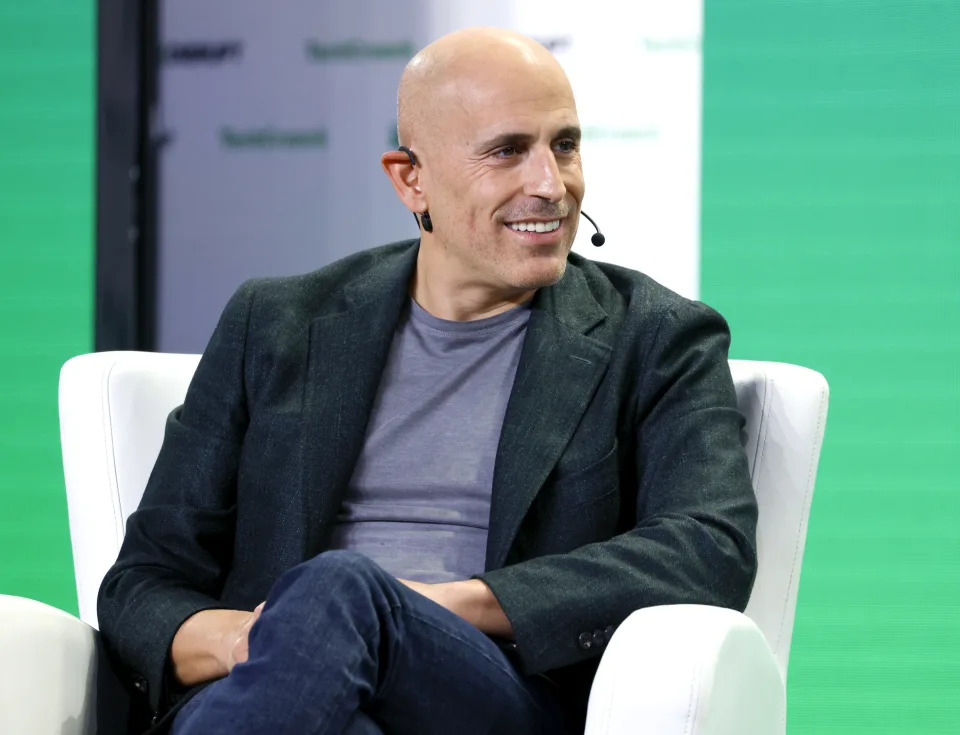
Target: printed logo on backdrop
202	52
271	137
358	50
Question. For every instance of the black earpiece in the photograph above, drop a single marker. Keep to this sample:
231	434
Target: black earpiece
424	218
413	158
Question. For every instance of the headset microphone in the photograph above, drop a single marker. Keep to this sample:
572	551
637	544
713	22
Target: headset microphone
597	237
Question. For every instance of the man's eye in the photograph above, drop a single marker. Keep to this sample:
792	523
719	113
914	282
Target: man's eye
567	146
507	151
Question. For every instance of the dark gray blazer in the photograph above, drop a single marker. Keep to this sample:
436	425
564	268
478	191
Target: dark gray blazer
620	480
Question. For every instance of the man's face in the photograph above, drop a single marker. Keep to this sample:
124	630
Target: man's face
505	180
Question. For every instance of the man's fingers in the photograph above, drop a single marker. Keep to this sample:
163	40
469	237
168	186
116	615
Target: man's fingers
239	652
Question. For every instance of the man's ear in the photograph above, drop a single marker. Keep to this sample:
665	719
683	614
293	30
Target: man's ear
405	178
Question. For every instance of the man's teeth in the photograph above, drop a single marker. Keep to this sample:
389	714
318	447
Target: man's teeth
535	226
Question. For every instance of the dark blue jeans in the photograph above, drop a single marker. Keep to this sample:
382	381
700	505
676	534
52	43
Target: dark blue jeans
343	647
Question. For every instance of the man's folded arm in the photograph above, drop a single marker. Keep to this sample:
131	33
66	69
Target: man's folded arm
178	544
694	538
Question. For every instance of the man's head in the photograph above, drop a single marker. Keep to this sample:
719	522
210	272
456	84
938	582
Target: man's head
492	121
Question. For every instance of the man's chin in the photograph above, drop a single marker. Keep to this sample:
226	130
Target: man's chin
541	275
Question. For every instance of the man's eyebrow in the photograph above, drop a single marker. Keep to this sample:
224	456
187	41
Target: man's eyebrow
505	139
570	131
520	139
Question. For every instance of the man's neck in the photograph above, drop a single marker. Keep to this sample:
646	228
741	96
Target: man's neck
442	292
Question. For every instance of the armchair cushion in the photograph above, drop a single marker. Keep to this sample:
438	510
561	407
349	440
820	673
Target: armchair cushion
48	670
690	670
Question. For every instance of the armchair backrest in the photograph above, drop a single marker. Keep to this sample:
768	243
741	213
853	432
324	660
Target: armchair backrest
113	411
113	407
786	411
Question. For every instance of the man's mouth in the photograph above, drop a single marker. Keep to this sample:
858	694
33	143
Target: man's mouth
531	226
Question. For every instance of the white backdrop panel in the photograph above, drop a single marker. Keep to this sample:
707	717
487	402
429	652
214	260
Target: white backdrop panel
275	116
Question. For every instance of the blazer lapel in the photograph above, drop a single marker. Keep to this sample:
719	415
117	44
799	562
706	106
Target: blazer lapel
347	352
560	368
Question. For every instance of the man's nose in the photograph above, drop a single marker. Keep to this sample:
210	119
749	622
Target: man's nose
543	178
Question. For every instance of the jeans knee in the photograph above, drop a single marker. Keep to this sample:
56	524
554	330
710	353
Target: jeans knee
341	562
338	569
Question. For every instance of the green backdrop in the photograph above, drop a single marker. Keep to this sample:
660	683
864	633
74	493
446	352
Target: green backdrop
47	113
831	238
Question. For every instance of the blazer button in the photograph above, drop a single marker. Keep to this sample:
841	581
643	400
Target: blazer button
585	641
598	640
608	632
140	684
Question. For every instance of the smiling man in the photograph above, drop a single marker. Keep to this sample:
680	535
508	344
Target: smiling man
492	124
416	491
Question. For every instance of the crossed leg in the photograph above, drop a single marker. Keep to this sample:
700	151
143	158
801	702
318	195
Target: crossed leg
342	646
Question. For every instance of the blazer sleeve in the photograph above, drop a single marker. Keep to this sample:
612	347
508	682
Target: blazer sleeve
178	544
694	538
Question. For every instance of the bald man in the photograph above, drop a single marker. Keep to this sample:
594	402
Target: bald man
417	490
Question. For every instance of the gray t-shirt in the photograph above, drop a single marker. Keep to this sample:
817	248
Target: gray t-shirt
418	503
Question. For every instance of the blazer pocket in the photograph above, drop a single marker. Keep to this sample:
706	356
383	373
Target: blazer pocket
567	492
586	485
574	509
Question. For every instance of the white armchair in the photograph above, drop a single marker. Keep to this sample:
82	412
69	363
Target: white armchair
681	669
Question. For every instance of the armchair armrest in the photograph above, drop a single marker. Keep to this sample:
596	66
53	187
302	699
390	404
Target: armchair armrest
48	670
690	670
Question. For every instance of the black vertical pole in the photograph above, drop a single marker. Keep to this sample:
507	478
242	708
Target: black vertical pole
150	141
126	73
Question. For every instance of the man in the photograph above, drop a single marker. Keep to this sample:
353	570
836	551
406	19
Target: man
417	490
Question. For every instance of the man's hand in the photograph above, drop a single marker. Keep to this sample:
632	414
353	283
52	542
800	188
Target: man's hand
210	643
471	599
240	649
